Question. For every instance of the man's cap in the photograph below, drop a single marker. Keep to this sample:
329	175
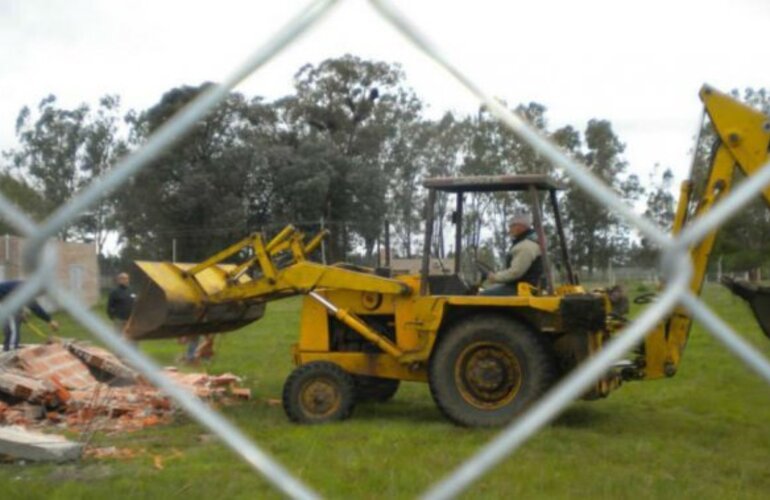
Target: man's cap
521	217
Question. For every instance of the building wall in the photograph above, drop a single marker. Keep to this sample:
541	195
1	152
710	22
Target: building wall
78	270
77	267
10	257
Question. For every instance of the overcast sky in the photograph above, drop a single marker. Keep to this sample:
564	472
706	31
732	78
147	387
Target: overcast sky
638	64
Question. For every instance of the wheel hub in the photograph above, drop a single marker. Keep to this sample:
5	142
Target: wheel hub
488	375
320	397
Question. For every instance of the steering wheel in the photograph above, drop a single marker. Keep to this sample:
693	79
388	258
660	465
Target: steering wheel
483	269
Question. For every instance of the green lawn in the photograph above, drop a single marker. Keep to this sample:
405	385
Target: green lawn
703	434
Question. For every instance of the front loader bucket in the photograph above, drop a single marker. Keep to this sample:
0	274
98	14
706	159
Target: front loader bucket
172	305
758	298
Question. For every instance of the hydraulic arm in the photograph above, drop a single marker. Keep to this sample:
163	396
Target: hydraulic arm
743	139
213	297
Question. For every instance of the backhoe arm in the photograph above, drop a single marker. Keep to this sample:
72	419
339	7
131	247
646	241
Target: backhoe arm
744	137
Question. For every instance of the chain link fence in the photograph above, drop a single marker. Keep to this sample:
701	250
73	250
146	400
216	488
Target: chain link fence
40	261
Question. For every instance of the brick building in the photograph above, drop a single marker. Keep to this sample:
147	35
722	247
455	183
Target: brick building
77	271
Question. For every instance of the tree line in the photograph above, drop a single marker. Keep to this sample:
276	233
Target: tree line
347	149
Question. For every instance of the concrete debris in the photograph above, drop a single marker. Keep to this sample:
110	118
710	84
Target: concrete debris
22	444
19	385
79	387
52	362
101	359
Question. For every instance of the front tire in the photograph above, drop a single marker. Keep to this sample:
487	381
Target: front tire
488	369
318	392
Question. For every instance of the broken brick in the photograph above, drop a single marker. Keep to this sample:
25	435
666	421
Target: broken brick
49	360
101	359
151	420
22	386
61	392
224	379
59	376
241	392
161	404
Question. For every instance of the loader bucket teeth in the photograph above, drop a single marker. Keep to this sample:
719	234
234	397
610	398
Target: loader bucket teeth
170	304
758	298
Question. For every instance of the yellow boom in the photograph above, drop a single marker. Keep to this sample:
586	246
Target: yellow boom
744	136
212	297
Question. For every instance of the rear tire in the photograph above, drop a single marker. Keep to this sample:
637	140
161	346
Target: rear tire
376	389
318	392
488	369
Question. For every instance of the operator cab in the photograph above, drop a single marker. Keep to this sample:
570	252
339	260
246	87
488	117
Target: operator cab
537	187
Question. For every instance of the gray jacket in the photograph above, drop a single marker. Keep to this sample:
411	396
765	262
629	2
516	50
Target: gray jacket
523	254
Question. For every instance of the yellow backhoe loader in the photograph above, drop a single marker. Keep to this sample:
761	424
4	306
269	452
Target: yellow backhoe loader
486	358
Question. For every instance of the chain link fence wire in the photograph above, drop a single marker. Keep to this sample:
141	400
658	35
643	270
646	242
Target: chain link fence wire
40	262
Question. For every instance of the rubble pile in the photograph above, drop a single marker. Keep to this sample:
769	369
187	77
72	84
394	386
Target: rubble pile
80	387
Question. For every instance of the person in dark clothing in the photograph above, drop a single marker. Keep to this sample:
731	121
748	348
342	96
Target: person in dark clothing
120	302
12	327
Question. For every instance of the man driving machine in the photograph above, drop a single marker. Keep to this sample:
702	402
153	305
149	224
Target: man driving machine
524	263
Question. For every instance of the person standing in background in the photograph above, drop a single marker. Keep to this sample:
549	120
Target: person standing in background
12	327
120	303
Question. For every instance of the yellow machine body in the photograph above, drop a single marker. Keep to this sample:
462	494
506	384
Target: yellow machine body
413	323
389	327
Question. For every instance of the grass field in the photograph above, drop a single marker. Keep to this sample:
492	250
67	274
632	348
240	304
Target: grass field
703	434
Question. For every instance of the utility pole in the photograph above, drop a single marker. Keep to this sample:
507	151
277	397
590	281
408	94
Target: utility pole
387	243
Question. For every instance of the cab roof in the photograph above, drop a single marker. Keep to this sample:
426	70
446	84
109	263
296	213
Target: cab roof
491	183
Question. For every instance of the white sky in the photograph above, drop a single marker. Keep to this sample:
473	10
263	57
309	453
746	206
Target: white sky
638	64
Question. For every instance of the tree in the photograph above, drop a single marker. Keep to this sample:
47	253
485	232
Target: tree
348	147
408	157
659	209
50	150
598	235
199	193
24	196
519	157
660	201
62	150
102	148
356	107
440	157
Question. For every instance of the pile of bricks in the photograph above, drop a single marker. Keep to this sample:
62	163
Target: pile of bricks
80	387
